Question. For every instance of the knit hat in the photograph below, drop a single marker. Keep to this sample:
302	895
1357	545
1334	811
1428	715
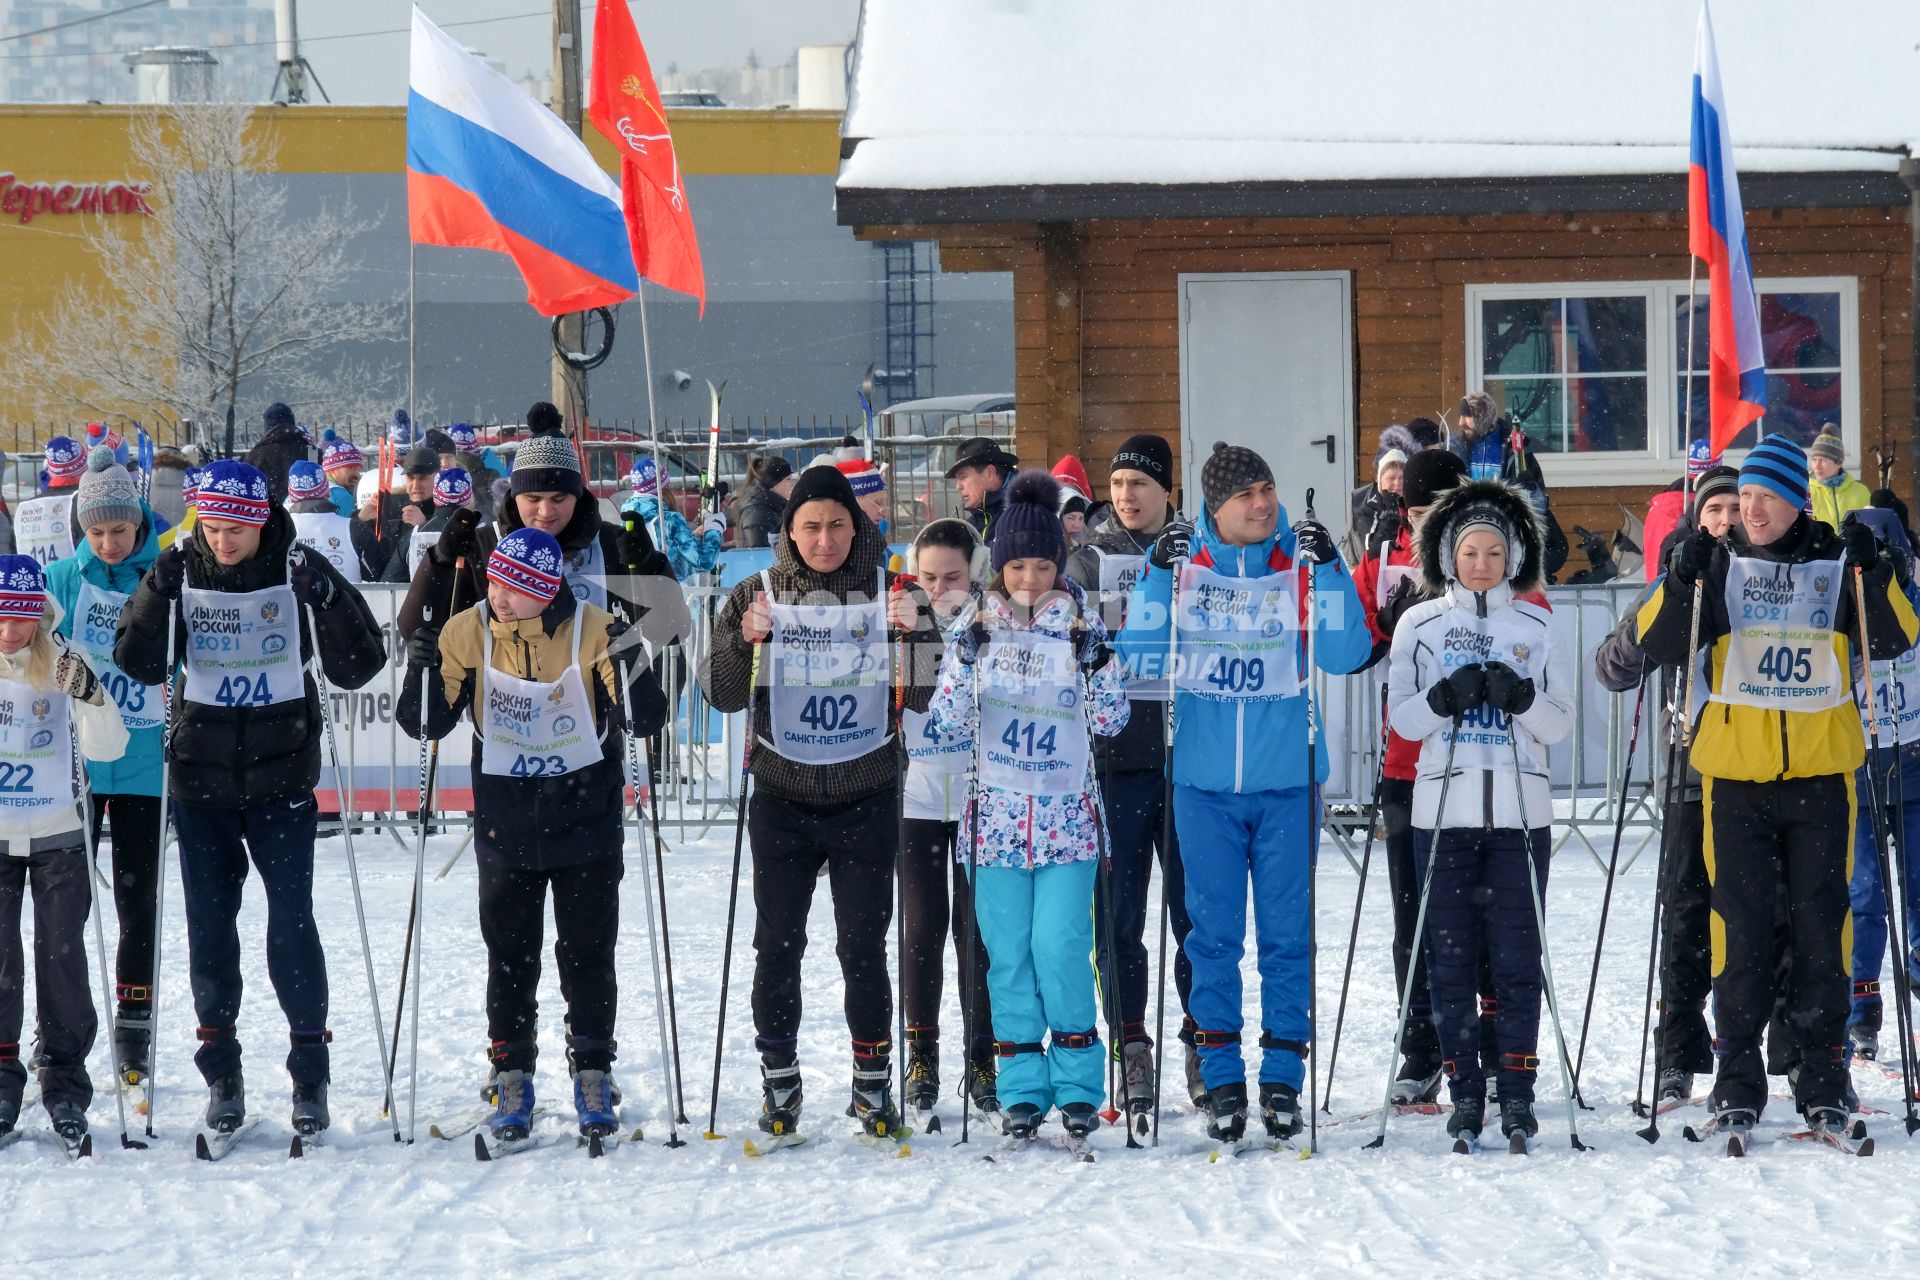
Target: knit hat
862	476
1391	458
463	436
453	487
1228	470
1148	454
422	460
99	433
1072	503
645	476
546	462
1072	474
819	484
106	492
774	470
1699	456
528	561
190	485
438	440
306	482
337	454
1395	439
1430	473
1779	464
1828	445
232	490
1425	432
65	462
1713	483
276	415
1028	525
23	589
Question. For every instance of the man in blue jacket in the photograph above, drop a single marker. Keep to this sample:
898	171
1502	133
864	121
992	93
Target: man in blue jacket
1242	801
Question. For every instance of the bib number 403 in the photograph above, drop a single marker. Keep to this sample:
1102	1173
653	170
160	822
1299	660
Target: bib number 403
243	691
1785	664
829	713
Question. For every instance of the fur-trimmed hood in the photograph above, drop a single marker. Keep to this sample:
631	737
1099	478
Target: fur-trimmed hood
1506	506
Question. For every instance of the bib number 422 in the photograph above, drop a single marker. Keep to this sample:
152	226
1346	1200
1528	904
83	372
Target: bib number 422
1785	664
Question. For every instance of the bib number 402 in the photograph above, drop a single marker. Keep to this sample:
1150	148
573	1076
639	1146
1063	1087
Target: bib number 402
1784	664
829	713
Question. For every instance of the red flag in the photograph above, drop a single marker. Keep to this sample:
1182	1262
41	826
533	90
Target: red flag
625	106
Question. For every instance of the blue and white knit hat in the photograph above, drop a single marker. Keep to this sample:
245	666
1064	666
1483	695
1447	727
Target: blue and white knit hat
337	453
527	561
645	476
232	490
1699	456
23	589
452	487
190	485
463	436
1779	464
66	462
306	482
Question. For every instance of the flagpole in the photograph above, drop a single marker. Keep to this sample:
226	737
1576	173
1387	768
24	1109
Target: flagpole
653	427
1693	270
410	329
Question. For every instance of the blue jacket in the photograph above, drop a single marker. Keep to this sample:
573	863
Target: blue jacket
1257	746
688	554
342	500
136	773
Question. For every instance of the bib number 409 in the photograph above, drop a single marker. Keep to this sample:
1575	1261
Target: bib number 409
829	713
1785	664
243	691
1239	675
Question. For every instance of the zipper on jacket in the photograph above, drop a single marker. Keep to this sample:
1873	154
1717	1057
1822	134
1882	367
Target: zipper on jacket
1486	775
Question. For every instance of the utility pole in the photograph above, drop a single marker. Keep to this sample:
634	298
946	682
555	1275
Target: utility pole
569	384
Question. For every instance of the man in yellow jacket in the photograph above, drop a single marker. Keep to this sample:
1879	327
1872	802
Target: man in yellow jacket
1777	744
1833	491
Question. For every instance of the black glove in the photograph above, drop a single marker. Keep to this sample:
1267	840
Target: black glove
1459	693
310	586
1386	532
423	651
1174	543
169	572
74	676
1507	689
1090	649
969	640
1863	549
1313	542
634	546
459	538
1691	556
1405	595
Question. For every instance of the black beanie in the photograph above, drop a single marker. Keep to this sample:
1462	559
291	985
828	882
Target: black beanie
544	419
1028	526
1149	454
1430	473
1712	483
1228	470
820	484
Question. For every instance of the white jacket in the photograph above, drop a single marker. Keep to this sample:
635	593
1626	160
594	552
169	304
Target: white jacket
1489	626
102	737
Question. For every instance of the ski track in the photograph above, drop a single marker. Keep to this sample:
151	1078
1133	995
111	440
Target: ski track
366	1205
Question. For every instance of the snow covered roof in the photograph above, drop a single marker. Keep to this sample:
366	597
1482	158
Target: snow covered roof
952	94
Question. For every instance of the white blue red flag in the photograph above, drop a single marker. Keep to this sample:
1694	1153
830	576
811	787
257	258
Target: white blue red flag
490	168
1717	235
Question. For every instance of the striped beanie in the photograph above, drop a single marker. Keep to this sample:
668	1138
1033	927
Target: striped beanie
1828	445
337	454
527	561
23	589
98	433
106	493
463	436
546	461
232	490
1699	456
306	482
190	485
452	487
1712	483
862	476
66	462
1779	464
645	476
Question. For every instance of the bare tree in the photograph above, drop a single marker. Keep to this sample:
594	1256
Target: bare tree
225	291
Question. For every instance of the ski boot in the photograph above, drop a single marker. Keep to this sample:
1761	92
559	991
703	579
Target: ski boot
310	1114
983	1085
1020	1121
1418	1082
923	1075
1863	1041
1280	1110
513	1104
9	1115
1227	1110
1079	1118
1196	1084
872	1102
1674	1085
226	1103
1735	1124
70	1121
1517	1123
594	1102
780	1099
1469	1116
133	1045
1136	1064
576	1044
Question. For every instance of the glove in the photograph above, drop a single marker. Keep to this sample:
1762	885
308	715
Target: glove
1174	543
1406	595
169	572
459	538
1863	549
1691	556
423	651
1507	689
1386	532
75	677
715	524
1459	693
310	586
968	641
634	546
1313	542
1090	648
716	493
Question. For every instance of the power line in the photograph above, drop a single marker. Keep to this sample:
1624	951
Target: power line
81	22
253	44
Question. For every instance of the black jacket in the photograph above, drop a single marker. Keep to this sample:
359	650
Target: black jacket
1142	744
274	453
236	757
756	517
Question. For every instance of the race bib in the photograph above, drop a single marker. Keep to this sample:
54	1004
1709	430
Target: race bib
243	648
827	681
949	754
1239	637
36	744
96	613
1780	652
535	729
1033	733
43	528
1146	675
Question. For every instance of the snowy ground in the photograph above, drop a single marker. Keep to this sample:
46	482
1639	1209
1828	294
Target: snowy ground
368	1206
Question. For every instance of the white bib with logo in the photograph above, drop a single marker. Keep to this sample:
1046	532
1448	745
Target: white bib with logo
533	729
43	528
1239	637
930	751
1896	693
96	613
417	547
827	679
332	536
36	745
1484	737
586	574
1119	574
1780	654
1389	580
1033	735
243	648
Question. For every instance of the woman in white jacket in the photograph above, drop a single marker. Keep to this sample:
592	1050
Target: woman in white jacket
1477	679
47	694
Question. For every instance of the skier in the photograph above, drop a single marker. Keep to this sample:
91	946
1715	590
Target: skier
549	813
1832	492
317	523
1777	748
1131	766
1478	681
1245	797
244	757
89	590
282	443
41	846
1686	1047
870	488
826	774
43	528
688	555
340	459
948	560
452	492
1028	681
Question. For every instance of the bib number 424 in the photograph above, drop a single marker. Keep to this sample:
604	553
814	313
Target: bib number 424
1785	664
243	691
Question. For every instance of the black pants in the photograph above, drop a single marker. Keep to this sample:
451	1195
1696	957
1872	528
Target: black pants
136	890
930	878
1136	827
586	925
790	842
1686	952
1403	883
61	999
1761	837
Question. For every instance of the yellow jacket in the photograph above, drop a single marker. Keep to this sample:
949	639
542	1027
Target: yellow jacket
1831	502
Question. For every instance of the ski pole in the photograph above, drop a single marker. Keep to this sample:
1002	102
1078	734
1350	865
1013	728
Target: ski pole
733	899
1606	899
1419	932
666	939
1359	901
1116	1022
87	852
160	868
342	787
900	867
968	1013
1167	832
1901	870
653	937
1313	874
1540	926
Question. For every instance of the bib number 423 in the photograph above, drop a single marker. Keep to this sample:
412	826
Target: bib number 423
1784	664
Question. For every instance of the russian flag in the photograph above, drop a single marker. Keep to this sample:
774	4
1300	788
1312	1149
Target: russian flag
490	168
1717	235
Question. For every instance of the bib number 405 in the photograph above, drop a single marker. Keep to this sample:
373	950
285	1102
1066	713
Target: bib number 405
1785	664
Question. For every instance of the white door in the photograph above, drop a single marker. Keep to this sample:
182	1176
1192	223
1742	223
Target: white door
1266	361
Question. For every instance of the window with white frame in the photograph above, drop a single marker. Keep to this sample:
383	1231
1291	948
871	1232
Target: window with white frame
1596	374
